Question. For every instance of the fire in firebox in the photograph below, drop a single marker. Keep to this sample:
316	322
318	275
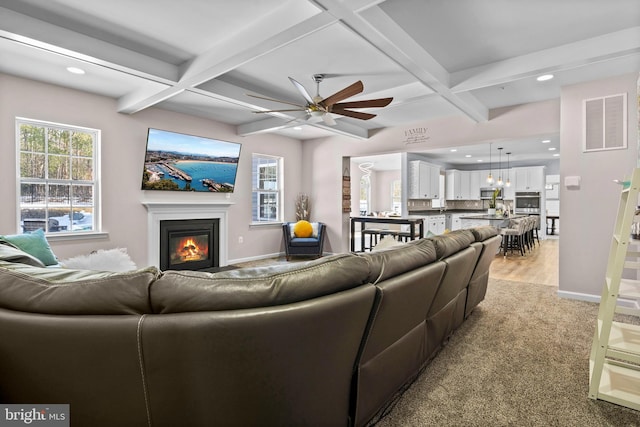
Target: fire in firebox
189	249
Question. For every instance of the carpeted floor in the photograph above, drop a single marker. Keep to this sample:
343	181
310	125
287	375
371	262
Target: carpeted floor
521	359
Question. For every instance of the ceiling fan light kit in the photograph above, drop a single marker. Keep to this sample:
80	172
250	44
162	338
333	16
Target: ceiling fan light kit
318	106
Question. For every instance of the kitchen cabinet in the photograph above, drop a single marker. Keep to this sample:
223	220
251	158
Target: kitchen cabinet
475	178
453	181
456	222
436	224
424	180
529	178
463	185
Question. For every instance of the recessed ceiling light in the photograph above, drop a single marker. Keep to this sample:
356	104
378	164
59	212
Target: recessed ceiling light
556	155
453	150
468	155
552	148
544	77
75	70
546	141
480	160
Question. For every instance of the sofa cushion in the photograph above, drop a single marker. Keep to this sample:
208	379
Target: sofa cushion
450	243
386	263
10	253
304	241
189	291
34	243
64	291
484	232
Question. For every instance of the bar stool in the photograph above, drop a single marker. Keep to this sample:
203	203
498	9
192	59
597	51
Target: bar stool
513	236
374	236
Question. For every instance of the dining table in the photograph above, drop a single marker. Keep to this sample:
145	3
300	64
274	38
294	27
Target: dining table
414	222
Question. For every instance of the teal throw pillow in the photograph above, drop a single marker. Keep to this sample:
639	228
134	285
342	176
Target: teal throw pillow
35	244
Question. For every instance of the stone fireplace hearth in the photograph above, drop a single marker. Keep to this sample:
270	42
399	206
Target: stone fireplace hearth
159	211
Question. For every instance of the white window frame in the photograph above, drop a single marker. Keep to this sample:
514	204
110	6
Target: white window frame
258	193
96	229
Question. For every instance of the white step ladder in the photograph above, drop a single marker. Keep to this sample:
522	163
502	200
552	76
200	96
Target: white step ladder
615	354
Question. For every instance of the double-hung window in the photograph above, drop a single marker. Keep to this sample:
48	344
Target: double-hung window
58	169
267	188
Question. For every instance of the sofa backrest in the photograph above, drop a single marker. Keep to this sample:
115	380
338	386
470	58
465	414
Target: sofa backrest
188	291
450	243
79	292
387	263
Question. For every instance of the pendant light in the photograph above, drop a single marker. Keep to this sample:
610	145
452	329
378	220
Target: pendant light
500	183
490	176
508	183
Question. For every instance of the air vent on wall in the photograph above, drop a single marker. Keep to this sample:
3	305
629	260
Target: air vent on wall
605	123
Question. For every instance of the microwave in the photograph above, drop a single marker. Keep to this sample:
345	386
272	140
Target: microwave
486	193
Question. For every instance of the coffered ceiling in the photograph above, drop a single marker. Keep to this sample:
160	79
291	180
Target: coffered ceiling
435	58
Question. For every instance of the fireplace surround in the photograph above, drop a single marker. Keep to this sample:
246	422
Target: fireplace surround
158	211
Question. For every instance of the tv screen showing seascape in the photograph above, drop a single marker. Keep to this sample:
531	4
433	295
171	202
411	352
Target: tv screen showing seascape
179	162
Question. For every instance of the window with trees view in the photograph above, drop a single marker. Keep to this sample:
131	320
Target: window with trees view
267	192
58	167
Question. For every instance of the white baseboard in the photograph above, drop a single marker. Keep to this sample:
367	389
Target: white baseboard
627	303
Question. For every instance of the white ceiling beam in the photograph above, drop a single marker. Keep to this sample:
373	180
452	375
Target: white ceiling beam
208	69
571	55
42	35
386	35
268	124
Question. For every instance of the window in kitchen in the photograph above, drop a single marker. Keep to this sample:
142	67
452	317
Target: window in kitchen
365	187
267	188
58	167
396	197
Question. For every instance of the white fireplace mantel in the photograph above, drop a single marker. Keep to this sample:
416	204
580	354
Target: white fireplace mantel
160	210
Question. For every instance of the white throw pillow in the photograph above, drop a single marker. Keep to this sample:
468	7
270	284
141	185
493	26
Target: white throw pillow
387	242
116	260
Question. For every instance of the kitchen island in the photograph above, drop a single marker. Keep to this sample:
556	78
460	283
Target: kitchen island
497	221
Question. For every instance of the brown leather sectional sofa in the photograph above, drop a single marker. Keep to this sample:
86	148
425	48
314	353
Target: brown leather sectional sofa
327	342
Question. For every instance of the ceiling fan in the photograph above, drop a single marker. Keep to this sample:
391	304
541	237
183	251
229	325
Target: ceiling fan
318	106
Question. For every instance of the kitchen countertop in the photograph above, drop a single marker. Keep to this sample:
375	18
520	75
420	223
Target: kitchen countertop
493	217
448	211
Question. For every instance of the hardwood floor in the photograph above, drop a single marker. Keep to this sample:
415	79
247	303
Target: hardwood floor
537	266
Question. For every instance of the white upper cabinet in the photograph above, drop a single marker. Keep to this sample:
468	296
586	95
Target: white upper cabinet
475	179
463	185
424	180
529	178
453	183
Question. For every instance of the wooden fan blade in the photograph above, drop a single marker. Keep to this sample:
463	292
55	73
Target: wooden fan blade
302	91
276	100
345	93
354	114
369	103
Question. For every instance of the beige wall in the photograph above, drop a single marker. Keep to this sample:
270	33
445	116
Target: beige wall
587	214
123	146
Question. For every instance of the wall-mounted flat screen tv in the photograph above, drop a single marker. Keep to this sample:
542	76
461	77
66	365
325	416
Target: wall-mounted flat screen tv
179	162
